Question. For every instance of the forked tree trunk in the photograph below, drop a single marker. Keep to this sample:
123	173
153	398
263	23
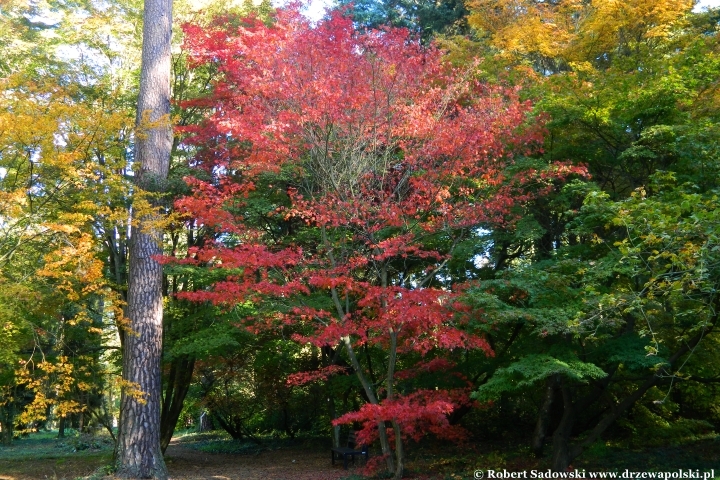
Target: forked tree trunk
366	384
384	442
138	451
178	385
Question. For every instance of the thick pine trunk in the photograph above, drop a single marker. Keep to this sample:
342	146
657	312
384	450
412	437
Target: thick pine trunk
139	453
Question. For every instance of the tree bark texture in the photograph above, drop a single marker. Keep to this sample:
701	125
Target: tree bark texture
139	453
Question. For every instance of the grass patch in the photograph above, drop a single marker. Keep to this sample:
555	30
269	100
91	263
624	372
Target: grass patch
42	455
189	436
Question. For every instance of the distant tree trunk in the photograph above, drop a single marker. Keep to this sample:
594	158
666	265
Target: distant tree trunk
61	427
81	422
205	423
7	420
138	453
561	438
538	441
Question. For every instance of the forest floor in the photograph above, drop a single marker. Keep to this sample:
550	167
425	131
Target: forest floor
225	460
41	456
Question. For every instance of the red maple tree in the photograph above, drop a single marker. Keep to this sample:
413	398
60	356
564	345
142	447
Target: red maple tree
394	156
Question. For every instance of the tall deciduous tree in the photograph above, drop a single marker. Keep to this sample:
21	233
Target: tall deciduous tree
392	159
139	454
61	135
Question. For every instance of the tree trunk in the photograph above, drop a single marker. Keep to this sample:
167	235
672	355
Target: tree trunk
229	427
205	423
399	452
7	433
390	382
178	384
332	411
7	421
561	437
617	410
139	453
367	387
61	427
538	441
81	422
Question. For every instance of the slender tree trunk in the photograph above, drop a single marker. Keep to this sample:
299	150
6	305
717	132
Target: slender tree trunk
399	451
139	453
205	423
332	411
81	422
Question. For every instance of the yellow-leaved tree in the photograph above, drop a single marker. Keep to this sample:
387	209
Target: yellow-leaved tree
64	127
553	35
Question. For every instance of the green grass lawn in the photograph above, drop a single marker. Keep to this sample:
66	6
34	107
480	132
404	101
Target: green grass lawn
43	456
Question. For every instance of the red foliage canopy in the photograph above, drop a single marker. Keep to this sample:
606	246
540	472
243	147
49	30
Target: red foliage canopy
391	148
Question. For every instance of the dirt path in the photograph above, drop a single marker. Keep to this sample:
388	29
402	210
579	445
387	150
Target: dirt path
285	464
